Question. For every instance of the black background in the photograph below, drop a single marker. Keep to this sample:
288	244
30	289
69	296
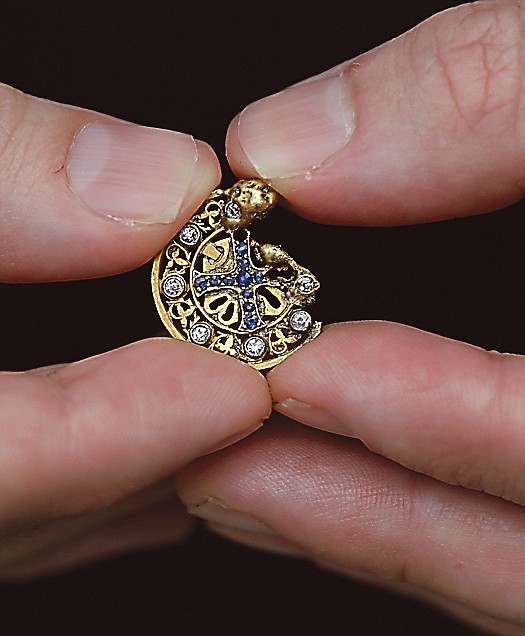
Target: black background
191	67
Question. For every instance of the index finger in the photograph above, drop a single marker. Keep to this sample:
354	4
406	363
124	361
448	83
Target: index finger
425	127
93	432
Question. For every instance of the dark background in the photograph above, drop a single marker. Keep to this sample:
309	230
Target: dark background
191	67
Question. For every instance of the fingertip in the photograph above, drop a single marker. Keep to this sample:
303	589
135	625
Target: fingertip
237	158
222	395
313	358
206	178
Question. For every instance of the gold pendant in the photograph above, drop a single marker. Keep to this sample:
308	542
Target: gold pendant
216	286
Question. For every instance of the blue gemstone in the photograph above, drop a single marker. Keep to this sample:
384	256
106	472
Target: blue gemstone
247	293
244	262
244	279
229	280
200	280
215	280
251	322
201	287
259	277
242	249
248	307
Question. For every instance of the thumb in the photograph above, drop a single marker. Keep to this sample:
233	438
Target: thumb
427	126
83	194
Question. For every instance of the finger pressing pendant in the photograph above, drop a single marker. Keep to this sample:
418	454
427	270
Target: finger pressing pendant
216	286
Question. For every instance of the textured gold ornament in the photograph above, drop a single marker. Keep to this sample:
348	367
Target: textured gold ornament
215	286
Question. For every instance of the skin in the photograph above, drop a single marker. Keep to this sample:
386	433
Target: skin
90	449
418	486
433	511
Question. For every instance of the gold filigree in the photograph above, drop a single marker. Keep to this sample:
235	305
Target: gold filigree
225	343
217	256
177	255
216	286
222	307
280	304
280	339
182	312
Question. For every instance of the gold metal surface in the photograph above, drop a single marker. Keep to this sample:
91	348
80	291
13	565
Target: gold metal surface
216	286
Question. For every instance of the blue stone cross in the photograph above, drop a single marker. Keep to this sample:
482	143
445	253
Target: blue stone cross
242	281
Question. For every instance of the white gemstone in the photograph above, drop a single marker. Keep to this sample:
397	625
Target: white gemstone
173	285
254	347
232	210
200	333
190	234
300	320
306	284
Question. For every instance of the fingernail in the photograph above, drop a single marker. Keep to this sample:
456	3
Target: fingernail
269	543
311	416
296	131
216	511
132	173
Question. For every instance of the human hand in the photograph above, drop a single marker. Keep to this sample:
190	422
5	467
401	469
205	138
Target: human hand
426	127
89	448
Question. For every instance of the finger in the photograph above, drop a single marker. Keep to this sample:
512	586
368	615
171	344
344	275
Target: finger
97	430
459	611
36	540
260	539
437	406
269	541
340	503
159	524
428	126
83	194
